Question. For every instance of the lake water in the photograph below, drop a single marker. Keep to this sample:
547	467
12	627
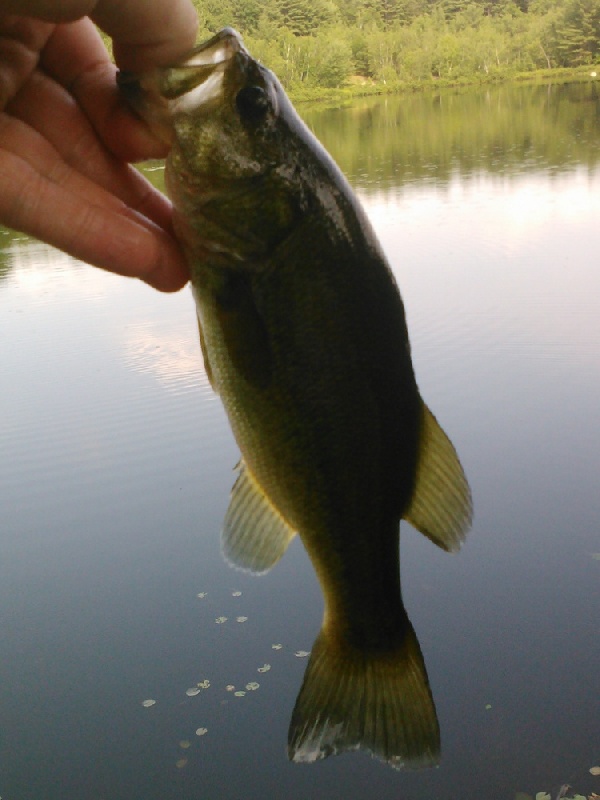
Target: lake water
116	465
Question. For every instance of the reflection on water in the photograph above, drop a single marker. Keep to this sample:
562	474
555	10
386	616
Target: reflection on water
115	478
171	357
35	269
428	138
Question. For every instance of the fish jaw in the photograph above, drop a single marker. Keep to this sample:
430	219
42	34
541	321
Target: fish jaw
160	94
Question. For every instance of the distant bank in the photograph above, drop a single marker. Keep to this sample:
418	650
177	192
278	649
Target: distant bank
365	88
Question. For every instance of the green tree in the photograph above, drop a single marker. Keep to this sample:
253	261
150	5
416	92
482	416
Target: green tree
578	36
246	14
304	17
359	49
213	15
330	59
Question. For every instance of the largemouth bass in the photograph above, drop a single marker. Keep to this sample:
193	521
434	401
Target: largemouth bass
304	337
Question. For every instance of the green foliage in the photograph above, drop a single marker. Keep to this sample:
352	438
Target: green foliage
578	32
324	60
329	43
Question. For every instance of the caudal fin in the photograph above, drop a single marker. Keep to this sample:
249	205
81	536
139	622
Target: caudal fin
378	702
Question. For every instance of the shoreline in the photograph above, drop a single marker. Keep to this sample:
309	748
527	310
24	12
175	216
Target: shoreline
351	92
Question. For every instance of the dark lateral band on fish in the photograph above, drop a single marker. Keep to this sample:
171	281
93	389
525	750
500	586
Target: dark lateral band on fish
304	337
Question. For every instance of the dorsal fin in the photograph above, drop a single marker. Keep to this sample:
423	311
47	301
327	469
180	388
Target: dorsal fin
254	535
440	506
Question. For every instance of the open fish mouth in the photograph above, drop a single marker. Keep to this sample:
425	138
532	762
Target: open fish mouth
189	84
200	77
217	50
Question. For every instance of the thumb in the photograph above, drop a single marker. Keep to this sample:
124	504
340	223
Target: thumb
147	33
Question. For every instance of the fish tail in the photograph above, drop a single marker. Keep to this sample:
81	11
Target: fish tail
378	701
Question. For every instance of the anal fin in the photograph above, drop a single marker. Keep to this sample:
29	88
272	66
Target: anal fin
440	507
255	535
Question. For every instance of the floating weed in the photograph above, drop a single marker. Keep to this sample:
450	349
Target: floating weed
251	686
562	795
596	556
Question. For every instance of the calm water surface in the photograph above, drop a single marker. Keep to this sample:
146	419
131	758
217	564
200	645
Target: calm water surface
116	464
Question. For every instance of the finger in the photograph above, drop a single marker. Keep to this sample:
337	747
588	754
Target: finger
77	58
86	221
64	11
147	33
20	43
51	111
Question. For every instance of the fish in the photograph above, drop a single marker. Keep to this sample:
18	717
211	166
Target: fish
304	337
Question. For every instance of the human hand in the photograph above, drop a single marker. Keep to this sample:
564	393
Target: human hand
66	136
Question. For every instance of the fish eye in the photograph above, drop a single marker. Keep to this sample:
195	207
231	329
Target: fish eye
252	103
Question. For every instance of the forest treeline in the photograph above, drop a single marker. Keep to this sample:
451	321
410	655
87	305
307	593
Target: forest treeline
312	43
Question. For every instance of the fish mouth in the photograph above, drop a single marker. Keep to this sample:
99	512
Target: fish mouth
188	84
206	57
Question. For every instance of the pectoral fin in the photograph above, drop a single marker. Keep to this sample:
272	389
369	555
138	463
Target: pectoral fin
440	506
254	535
243	330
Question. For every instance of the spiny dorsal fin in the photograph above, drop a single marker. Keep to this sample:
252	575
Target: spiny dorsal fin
254	535
440	507
375	701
